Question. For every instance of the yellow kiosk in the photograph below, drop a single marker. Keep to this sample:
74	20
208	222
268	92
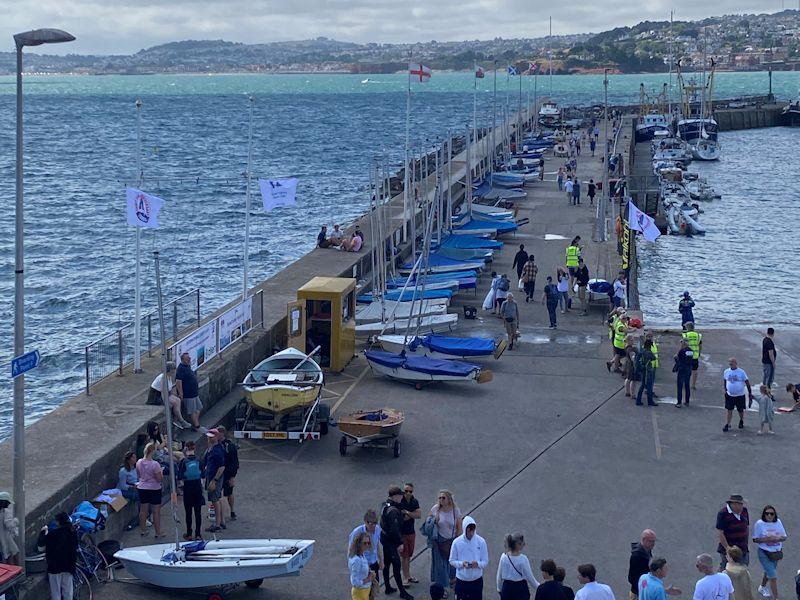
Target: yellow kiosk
324	315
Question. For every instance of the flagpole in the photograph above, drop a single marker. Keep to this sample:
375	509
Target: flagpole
494	117
251	100
535	98
474	102
409	209
550	55
137	293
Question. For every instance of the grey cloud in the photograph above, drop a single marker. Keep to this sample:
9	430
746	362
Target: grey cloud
123	26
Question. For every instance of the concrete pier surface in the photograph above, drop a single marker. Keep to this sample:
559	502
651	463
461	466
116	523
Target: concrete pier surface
551	447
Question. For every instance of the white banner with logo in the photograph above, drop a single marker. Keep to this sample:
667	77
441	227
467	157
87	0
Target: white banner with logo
278	192
142	208
235	323
201	345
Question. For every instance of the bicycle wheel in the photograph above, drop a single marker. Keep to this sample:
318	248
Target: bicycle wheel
81	588
92	561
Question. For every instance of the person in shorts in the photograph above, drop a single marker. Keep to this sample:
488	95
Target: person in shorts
409	506
214	460
734	382
231	469
188	390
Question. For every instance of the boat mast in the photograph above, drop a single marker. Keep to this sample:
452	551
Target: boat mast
165	399
137	293
671	60
247	200
408	203
550	55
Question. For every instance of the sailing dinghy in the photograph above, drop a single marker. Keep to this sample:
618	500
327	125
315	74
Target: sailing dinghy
420	370
442	346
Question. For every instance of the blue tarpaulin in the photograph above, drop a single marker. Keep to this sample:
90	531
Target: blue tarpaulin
408	295
470	241
458	346
421	364
481	224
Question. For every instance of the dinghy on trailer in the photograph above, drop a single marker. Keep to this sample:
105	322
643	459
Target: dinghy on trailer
441	346
421	370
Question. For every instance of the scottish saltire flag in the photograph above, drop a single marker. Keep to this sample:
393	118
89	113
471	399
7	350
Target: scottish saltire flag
278	192
419	72
479	73
512	70
639	221
142	208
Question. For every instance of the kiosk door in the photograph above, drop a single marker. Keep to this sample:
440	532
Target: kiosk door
296	325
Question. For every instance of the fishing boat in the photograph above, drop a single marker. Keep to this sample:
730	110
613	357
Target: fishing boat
216	563
698	127
371	424
440	346
652	115
285	382
420	370
790	115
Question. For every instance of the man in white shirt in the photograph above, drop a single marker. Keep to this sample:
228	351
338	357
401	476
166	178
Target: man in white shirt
620	291
713	586
469	556
591	590
734	382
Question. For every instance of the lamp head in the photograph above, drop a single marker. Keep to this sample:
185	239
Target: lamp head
37	37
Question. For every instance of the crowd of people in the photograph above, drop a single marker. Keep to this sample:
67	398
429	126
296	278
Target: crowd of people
338	239
382	547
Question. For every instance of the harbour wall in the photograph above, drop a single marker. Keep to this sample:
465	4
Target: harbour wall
76	451
732	119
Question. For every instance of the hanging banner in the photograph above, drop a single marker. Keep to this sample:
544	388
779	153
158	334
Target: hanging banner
200	344
235	323
142	208
278	192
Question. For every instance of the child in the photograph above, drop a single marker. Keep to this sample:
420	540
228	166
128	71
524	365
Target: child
765	410
190	472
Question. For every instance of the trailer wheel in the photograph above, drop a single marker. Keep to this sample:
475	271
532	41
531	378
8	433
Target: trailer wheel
396	449
215	596
254	583
417	386
343	446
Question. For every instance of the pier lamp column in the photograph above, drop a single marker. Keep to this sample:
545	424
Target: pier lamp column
37	37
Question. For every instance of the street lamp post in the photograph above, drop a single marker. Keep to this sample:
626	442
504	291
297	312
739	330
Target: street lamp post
36	37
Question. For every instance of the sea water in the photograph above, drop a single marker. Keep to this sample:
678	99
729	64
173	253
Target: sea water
81	152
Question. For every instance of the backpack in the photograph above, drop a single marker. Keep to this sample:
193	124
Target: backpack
504	285
191	468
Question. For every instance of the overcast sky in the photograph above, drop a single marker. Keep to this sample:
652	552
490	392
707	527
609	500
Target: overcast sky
125	26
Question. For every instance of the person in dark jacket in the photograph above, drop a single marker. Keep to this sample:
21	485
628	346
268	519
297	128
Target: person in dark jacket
392	541
520	258
639	564
61	551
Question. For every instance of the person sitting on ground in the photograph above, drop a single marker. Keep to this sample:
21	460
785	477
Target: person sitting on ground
322	238
128	478
352	243
359	233
337	235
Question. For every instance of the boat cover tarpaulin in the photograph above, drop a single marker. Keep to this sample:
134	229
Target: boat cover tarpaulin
483	224
437	260
422	364
456	346
470	241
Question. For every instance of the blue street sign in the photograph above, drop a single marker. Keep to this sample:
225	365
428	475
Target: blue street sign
24	363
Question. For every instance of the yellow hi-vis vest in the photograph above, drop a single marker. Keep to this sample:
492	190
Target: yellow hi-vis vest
693	339
572	256
620	330
654	349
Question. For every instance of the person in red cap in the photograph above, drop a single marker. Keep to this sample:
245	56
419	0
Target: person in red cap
215	469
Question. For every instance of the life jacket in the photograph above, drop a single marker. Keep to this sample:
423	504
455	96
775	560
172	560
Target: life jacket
654	349
620	330
572	256
693	339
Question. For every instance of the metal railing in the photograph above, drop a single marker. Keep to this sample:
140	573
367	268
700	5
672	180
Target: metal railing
115	351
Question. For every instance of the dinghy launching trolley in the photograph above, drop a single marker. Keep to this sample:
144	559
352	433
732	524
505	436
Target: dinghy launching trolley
371	428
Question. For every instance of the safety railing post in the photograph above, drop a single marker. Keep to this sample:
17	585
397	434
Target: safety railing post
175	321
86	360
119	343
198	306
149	334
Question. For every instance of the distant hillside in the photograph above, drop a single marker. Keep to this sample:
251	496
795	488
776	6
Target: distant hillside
736	42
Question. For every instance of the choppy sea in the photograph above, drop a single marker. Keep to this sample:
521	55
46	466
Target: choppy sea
80	150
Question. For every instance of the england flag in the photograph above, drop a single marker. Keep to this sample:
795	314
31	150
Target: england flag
419	72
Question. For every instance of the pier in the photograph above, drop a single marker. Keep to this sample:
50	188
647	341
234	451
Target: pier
551	447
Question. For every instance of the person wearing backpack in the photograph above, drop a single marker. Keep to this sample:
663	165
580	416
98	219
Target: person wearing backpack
644	364
392	541
190	473
503	286
551	296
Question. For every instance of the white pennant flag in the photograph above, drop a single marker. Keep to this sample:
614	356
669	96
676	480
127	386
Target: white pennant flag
142	208
277	192
639	221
